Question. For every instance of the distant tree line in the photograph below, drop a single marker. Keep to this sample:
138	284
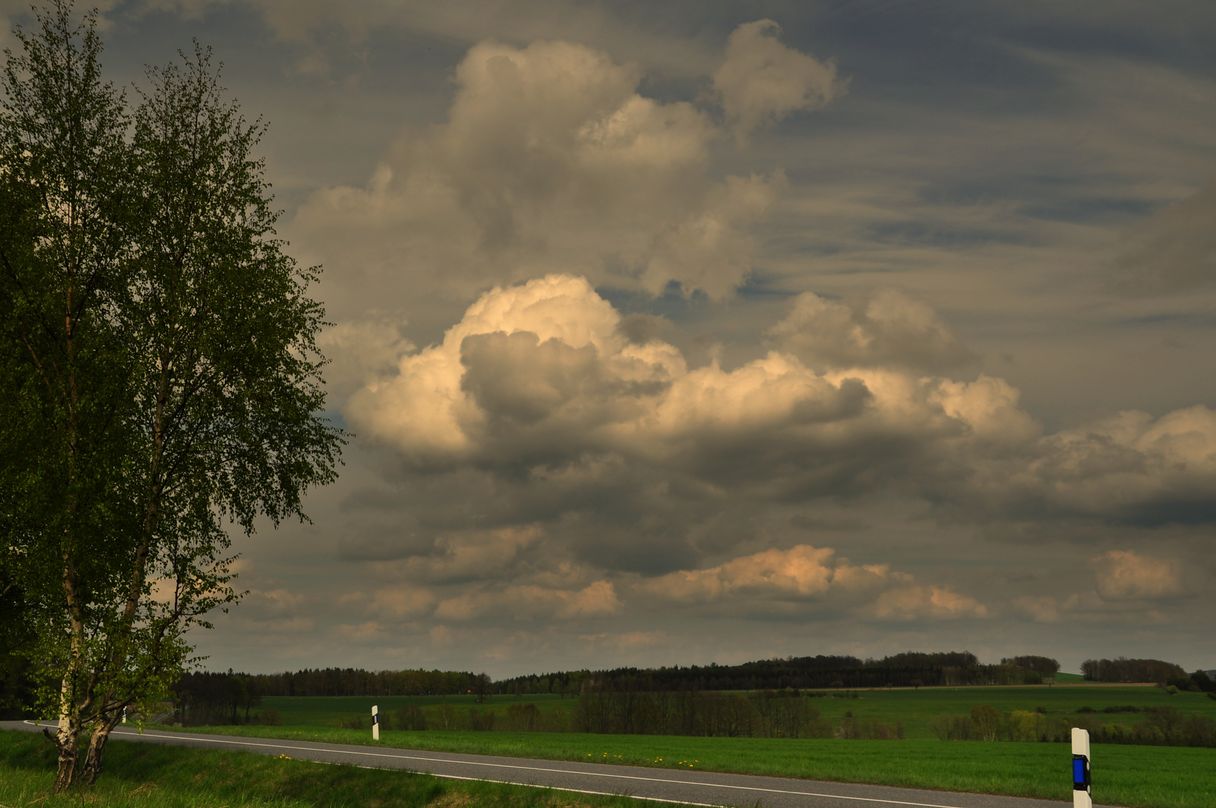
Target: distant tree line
1122	669
817	672
205	696
218	698
359	682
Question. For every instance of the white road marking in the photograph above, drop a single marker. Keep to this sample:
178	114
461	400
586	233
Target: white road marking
204	739
527	785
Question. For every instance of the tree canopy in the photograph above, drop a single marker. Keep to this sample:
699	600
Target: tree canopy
160	349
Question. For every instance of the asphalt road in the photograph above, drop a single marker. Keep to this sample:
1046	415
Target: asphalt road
667	785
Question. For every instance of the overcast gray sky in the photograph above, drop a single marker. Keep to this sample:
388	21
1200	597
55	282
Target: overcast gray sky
691	332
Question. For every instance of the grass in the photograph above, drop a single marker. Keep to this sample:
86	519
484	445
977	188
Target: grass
913	709
1133	776
145	776
1138	777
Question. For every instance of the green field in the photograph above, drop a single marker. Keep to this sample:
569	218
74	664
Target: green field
143	776
1134	776
912	709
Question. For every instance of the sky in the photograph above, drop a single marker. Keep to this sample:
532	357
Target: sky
713	331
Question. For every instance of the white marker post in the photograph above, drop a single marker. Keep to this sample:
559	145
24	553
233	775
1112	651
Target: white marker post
1080	769
376	722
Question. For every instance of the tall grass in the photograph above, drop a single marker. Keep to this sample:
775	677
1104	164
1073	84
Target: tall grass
146	776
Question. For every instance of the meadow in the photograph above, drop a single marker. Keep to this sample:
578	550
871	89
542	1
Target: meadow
145	776
913	710
1133	776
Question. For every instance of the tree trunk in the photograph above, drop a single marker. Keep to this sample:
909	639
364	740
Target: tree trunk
68	733
66	736
97	746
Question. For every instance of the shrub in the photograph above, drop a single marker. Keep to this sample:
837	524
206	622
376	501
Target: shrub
522	717
986	721
268	716
481	720
410	717
952	727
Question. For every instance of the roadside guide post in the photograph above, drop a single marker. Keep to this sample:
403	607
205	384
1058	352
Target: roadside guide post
1080	769
376	722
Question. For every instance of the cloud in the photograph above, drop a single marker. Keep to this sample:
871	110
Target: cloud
532	602
888	329
1174	250
802	571
539	381
539	378
1129	467
541	372
476	555
17	12
805	573
314	24
431	410
1127	575
926	603
762	81
1044	608
361	350
400	602
628	641
550	158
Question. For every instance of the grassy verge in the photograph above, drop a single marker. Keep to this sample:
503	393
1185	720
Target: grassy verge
1133	776
145	776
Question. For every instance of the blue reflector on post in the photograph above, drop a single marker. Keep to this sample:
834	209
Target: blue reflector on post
1080	773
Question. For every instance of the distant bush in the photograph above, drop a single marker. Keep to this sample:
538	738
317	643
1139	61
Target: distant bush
1162	726
952	727
1201	681
268	716
444	717
522	717
481	720
364	721
766	714
410	717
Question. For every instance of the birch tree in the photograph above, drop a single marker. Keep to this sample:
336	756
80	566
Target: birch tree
163	350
